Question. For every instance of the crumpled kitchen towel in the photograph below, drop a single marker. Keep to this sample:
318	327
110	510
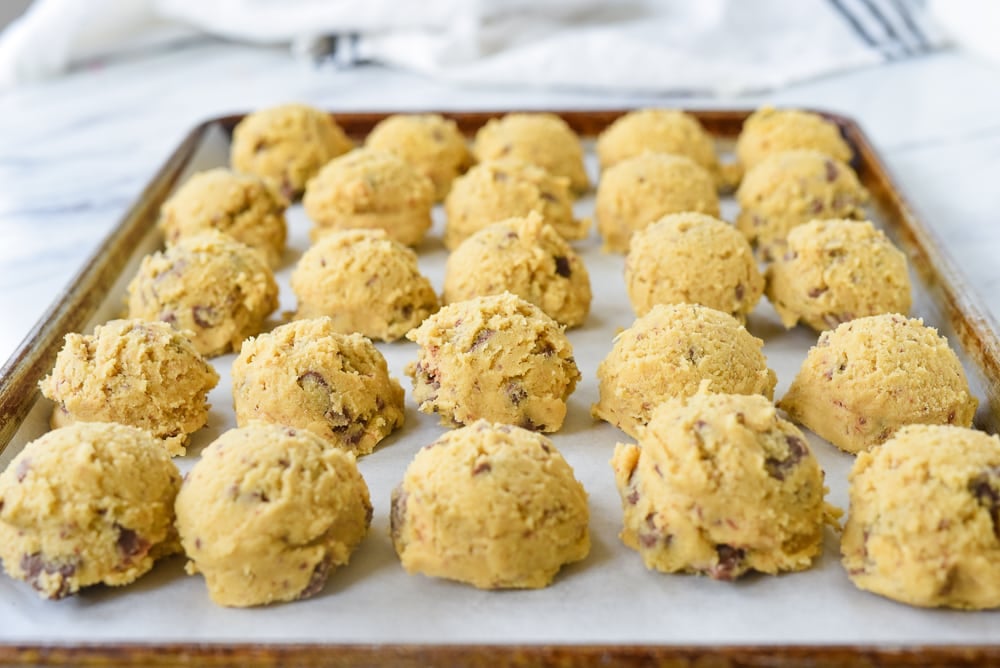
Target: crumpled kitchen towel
704	47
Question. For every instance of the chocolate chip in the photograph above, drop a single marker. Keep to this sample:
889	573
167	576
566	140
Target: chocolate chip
797	449
317	580
515	392
546	448
482	336
648	539
544	348
816	206
562	266
739	291
34	565
259	146
549	197
22	469
730	564
406	312
985	488
311	380
131	544
397	513
482	467
169	317
816	292
428	376
831	171
203	316
633	497
529	424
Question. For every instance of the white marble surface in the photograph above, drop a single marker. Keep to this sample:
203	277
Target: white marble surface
76	152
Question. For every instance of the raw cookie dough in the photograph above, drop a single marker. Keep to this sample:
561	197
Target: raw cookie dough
492	505
499	358
287	145
721	485
870	376
638	191
791	188
143	374
308	375
91	503
215	288
268	512
924	522
833	271
371	189
365	283
768	131
692	258
431	143
657	131
539	138
500	189
668	353
241	205
526	257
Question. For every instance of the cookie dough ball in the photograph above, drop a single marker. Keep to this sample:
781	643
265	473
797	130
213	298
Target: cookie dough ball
365	282
924	522
143	374
640	190
526	257
833	271
308	375
657	131
788	189
241	205
721	485
499	358
431	143
500	189
668	353
540	139
91	503
492	505
768	131
371	189
268	512
287	145
216	289
870	376
692	258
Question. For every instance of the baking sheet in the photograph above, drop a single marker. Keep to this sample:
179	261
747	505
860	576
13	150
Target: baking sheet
608	598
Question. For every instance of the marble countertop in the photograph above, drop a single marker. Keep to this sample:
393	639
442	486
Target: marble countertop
76	152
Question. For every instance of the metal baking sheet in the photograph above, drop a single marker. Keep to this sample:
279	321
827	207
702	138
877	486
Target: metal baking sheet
608	601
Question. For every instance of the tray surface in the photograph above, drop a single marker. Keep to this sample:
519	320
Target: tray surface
607	603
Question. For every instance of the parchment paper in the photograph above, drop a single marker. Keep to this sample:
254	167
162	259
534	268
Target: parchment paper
608	598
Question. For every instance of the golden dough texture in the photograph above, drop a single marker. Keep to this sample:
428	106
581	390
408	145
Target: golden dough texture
491	505
91	503
369	189
142	374
833	271
241	205
924	521
364	282
526	257
498	358
215	288
692	258
308	375
791	188
287	145
268	512
500	189
668	353
768	131
431	143
639	191
720	485
541	139
868	377
657	131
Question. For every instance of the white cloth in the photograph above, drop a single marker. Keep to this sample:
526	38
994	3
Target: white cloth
660	46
